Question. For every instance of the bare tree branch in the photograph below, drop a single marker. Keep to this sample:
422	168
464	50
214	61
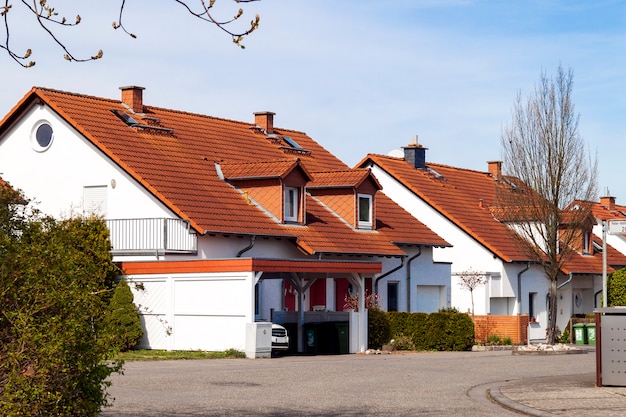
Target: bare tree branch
47	16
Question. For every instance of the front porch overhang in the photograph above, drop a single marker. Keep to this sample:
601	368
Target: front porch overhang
301	266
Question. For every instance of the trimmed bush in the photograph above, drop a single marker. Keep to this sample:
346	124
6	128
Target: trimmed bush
124	322
379	328
436	331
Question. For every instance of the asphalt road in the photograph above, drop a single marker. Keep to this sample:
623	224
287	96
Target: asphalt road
413	384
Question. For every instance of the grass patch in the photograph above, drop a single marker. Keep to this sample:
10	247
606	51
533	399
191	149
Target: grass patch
163	355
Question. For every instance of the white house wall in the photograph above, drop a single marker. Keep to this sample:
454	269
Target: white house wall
194	311
428	279
616	241
465	253
56	177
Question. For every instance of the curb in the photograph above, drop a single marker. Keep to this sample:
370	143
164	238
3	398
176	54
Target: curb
494	394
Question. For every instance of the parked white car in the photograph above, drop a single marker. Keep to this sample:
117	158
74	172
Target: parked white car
280	338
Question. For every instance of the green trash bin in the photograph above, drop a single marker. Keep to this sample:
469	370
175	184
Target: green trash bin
591	333
579	333
310	338
343	334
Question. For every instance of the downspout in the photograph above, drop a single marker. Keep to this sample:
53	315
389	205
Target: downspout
387	273
595	298
519	288
566	282
247	248
571	276
408	278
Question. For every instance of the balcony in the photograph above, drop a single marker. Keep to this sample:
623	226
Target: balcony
151	236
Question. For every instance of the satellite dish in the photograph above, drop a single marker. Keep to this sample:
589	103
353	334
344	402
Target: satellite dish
396	153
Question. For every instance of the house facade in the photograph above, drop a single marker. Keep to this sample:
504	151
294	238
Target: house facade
605	211
461	206
220	224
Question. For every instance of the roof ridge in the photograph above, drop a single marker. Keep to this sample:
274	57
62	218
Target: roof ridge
458	168
340	170
166	109
428	164
274	161
69	93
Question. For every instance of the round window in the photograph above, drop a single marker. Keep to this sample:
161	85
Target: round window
42	137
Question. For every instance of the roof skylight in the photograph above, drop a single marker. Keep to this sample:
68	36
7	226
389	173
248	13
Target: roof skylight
291	142
126	118
130	121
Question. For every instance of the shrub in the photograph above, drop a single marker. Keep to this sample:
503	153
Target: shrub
56	281
565	336
123	320
436	331
379	329
403	342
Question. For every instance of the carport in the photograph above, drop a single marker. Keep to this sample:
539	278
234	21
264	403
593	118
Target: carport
301	273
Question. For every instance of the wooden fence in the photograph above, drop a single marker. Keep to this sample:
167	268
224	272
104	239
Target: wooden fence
514	327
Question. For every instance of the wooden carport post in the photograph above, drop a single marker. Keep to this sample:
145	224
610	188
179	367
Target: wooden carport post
301	287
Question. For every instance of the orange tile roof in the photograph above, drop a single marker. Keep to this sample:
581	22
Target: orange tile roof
341	179
468	199
602	212
12	195
173	155
592	264
265	169
464	196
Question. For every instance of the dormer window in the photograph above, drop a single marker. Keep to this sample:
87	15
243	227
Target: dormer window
291	204
587	247
365	211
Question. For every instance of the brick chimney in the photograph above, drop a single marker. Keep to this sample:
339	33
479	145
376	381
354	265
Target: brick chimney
415	154
132	96
608	202
495	169
265	120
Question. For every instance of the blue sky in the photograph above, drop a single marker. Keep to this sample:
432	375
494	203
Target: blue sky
358	76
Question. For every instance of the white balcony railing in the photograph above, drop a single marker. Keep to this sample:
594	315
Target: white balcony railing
140	236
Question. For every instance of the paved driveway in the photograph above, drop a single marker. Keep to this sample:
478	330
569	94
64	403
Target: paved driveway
413	384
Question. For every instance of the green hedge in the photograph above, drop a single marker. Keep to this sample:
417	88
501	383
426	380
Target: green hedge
437	331
379	328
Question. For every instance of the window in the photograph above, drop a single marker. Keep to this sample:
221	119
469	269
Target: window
41	137
365	211
291	204
532	308
586	243
95	199
392	296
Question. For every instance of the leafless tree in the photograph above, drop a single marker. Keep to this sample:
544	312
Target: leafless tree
542	148
48	18
470	280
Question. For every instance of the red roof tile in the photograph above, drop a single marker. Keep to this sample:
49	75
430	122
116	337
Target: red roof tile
341	179
173	154
266	169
